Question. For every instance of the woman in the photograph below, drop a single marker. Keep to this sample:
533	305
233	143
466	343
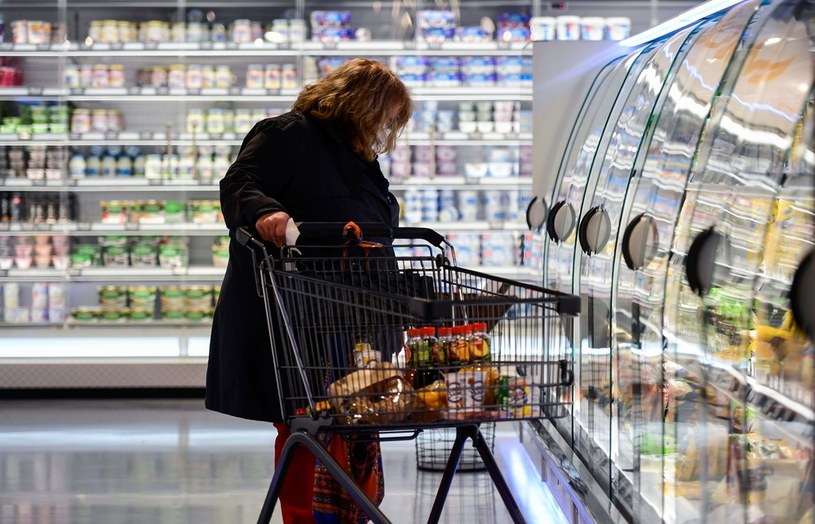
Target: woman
316	163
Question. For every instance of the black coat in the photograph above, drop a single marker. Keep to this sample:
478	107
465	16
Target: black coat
298	164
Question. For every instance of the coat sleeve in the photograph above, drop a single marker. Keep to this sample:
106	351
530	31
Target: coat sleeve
256	179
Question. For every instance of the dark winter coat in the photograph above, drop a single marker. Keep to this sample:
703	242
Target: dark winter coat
303	166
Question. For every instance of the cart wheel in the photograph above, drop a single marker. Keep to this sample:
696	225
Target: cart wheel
566	374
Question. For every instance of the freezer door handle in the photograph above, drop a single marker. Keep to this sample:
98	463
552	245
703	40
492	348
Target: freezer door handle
802	293
560	222
640	242
536	213
594	231
700	261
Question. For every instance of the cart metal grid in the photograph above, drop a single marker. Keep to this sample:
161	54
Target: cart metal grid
343	364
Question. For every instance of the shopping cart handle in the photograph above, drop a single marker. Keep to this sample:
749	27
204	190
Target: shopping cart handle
243	236
422	233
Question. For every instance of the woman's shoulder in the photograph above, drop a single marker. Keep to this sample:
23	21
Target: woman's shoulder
292	121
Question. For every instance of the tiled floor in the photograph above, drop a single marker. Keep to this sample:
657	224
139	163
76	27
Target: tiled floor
171	461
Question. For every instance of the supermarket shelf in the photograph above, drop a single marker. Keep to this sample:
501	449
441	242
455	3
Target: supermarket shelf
149	94
102	328
187	229
195	273
107	184
216	49
125	138
95	229
119	274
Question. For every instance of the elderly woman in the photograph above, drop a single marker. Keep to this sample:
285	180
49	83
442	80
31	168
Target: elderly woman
316	163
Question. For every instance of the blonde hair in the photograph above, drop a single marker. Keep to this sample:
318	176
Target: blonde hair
360	96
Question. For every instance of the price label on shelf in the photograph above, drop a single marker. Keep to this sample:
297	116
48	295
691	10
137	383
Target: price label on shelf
205	46
83	226
146	135
4	226
42	227
76	91
130	226
116	47
35	91
193	92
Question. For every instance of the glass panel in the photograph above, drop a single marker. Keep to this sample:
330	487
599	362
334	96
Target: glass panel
738	344
575	174
638	295
599	395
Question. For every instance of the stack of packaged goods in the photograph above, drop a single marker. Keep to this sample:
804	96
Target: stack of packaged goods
47	303
447	373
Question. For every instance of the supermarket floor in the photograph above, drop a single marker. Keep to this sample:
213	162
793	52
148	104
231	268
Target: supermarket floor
171	461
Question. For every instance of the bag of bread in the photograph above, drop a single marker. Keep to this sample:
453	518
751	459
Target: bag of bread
378	394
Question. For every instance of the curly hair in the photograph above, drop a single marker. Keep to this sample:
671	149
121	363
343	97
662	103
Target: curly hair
366	99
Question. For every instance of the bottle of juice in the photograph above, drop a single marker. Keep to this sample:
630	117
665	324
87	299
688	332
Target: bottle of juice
411	347
458	349
480	343
445	338
438	355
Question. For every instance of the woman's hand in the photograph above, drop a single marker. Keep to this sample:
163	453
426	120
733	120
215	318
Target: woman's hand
272	227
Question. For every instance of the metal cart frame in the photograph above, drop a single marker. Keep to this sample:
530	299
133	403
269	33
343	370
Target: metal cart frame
305	428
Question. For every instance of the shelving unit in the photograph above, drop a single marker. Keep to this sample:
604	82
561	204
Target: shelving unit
155	123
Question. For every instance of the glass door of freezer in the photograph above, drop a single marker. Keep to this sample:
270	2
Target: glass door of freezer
576	173
601	399
647	439
745	440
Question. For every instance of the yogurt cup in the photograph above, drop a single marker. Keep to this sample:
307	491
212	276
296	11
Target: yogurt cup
618	27
568	28
543	27
592	28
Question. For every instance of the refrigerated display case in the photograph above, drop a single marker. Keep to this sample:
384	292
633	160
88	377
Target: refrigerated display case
693	209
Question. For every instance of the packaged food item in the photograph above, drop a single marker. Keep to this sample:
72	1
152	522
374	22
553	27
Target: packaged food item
197	298
432	403
112	297
465	395
365	355
378	394
142	298
172	299
173	253
85	314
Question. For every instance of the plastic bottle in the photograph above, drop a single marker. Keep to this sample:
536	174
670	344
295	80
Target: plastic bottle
458	349
445	338
428	346
480	343
411	347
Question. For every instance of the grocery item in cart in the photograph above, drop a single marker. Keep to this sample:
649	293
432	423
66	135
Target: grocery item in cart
379	394
465	395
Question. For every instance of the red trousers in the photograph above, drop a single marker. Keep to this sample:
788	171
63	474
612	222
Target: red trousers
295	496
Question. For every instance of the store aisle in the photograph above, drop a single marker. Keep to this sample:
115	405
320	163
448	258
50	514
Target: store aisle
166	462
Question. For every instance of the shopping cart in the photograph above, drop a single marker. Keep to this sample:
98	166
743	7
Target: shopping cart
378	344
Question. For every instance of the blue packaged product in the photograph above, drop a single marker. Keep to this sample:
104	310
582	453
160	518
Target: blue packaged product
332	34
324	19
474	34
507	20
436	19
514	34
413	80
444	79
480	79
478	64
436	35
442	64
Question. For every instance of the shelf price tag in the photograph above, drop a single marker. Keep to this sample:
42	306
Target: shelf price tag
116	47
42	227
193	92
5	226
35	91
205	46
130	226
83	226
